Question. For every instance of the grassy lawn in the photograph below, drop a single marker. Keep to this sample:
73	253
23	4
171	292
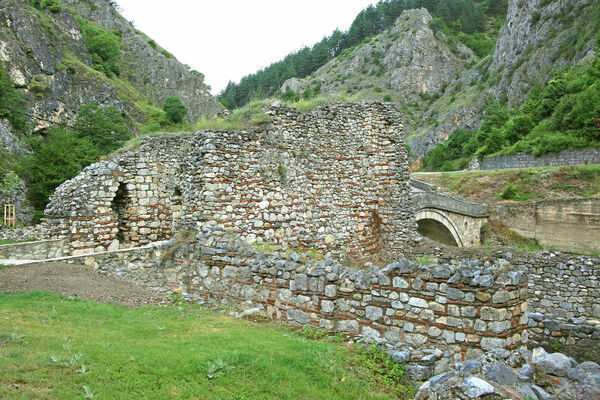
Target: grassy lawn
57	347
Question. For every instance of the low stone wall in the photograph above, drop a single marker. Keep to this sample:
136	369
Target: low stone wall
567	157
459	307
139	265
563	300
456	307
40	250
564	286
566	224
577	337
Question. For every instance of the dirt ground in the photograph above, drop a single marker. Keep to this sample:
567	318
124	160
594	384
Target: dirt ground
78	281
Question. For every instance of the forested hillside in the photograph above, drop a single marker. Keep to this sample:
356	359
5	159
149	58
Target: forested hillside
467	20
445	66
563	114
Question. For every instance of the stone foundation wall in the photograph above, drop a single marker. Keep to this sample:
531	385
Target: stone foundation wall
563	301
459	307
39	250
566	157
335	178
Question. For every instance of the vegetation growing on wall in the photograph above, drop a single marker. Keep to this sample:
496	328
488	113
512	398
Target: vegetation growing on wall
564	114
467	20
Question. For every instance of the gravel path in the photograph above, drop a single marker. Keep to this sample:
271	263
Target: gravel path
78	281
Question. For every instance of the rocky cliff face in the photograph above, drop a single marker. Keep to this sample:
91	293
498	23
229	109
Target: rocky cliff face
45	55
154	72
408	62
537	38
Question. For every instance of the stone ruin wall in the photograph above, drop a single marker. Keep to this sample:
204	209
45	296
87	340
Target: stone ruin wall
563	300
335	179
461	306
458	306
451	311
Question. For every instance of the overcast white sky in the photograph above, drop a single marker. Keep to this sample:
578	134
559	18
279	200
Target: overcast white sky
227	39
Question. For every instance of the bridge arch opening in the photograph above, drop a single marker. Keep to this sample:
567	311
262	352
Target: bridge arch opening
436	226
437	231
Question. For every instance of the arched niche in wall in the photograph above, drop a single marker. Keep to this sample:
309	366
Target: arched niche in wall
119	205
176	208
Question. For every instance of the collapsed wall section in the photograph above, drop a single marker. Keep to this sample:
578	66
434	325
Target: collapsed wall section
124	202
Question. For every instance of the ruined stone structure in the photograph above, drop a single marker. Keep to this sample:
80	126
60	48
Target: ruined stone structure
335	178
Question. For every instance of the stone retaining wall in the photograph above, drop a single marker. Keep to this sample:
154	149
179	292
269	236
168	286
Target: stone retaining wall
39	250
566	157
563	301
564	224
335	178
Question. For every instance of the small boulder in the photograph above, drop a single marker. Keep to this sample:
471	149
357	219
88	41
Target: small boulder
477	387
554	364
501	374
401	357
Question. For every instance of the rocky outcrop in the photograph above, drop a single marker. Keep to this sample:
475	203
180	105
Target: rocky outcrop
440	85
46	57
409	61
150	69
536	39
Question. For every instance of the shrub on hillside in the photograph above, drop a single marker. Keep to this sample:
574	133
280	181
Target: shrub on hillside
11	104
174	109
50	5
104	46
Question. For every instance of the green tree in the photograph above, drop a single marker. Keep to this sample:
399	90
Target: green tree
57	157
174	109
105	127
64	152
9	184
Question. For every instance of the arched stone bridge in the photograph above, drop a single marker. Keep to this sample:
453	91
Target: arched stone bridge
447	219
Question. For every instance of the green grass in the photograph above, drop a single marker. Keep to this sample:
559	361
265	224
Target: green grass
2	266
56	347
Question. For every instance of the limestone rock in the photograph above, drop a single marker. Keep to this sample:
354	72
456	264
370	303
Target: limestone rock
477	387
554	364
